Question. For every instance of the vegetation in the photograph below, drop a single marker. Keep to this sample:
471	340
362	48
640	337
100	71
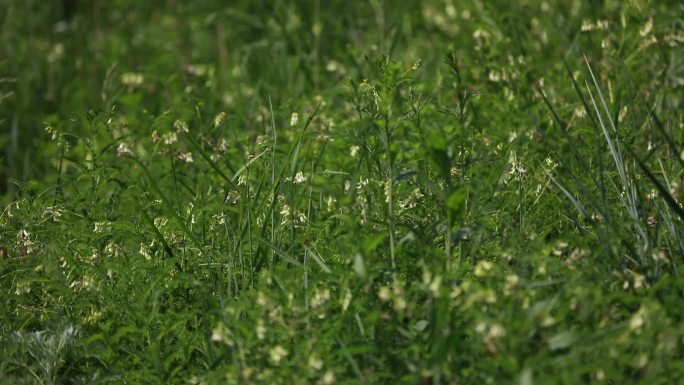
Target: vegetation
341	192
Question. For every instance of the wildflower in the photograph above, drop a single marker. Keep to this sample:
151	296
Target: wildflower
123	150
482	268
384	293
637	321
315	363
290	214
299	177
160	222
600	375
22	287
170	138
598	25
294	119
456	292
87	283
180	126
435	286
277	353
496	331
93	316
517	168
548	321
346	300
512	281
132	79
481	38
327	379
112	249
363	182
56	53
196	69
232	197
412	200
23	236
221	334
222	146
330	202
399	301
145	252
353	151
101	227
677	189
320	298
660	256
647	28
53	212
639	281
219	118
550	163
52	131
642	361
185	157
260	330
332	66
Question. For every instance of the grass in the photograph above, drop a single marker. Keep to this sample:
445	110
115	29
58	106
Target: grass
317	192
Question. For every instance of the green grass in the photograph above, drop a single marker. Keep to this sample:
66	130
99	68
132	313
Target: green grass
329	192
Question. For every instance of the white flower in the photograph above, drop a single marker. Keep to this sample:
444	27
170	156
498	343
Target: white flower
328	378
354	150
221	334
101	227
186	157
219	118
482	268
180	126
346	300
277	354
496	331
260	330
384	293
435	286
315	363
170	138
332	66
363	182
123	150
299	177
637	321
132	79
294	119
319	298
331	202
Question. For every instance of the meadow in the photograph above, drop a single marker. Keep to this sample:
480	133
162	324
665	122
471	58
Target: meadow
341	192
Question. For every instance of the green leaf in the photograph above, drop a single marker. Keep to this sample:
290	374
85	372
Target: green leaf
457	199
562	340
359	266
525	377
374	241
421	325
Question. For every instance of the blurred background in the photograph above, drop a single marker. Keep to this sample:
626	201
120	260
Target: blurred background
60	59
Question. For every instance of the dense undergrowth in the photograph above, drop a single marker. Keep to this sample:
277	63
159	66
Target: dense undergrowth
337	192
